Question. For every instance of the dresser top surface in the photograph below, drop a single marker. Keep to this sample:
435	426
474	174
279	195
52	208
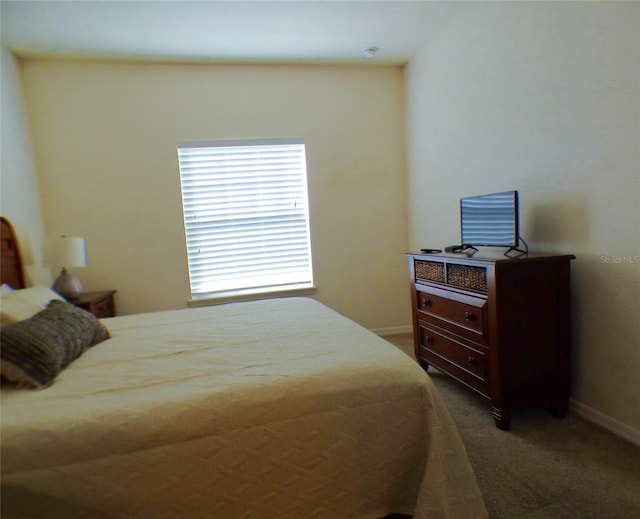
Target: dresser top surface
488	256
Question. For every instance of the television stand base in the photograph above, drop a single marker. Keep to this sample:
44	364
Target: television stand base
514	249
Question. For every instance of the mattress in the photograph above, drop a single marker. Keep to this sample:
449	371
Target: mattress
267	409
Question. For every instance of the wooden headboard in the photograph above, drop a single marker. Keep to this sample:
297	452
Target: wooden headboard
11	271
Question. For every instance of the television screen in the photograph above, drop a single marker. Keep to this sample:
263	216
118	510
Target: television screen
490	220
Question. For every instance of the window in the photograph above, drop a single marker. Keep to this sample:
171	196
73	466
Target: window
246	216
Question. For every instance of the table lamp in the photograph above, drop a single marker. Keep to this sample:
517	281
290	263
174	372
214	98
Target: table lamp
67	251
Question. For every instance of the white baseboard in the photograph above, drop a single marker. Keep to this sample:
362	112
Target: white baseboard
393	330
588	413
606	422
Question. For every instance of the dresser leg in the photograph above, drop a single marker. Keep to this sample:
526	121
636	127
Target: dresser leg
502	418
559	408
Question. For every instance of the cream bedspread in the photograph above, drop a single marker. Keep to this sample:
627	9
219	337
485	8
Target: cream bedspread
267	409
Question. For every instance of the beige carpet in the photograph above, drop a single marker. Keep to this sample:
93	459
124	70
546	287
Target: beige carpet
543	467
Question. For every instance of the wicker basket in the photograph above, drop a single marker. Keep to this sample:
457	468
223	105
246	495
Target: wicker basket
430	270
465	276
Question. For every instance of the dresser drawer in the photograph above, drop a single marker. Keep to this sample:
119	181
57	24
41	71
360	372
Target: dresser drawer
103	308
461	360
465	312
100	304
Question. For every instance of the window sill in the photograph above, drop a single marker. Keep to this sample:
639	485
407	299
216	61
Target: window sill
248	295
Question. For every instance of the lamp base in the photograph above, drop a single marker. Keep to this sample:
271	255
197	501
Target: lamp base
67	285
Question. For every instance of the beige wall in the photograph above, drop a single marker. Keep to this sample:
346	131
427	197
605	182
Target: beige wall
105	136
19	195
544	98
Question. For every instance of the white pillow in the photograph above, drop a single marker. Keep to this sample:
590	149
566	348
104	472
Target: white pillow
25	303
5	289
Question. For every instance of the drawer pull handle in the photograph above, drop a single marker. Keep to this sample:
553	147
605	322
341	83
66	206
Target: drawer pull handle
472	360
468	316
428	339
426	302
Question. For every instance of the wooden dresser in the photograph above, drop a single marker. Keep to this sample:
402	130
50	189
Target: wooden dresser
500	325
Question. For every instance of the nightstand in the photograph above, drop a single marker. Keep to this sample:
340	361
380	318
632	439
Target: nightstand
100	304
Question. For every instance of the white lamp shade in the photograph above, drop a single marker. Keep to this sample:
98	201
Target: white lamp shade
66	251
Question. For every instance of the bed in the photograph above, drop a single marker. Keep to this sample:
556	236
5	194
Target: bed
279	408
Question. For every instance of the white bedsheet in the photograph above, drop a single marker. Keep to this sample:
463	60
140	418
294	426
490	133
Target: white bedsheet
267	409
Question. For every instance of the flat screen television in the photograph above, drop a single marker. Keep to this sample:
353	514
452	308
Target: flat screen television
490	220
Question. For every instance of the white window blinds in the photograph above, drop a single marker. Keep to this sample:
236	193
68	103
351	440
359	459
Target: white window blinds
246	215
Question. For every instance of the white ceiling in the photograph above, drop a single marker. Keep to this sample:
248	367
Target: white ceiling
224	30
